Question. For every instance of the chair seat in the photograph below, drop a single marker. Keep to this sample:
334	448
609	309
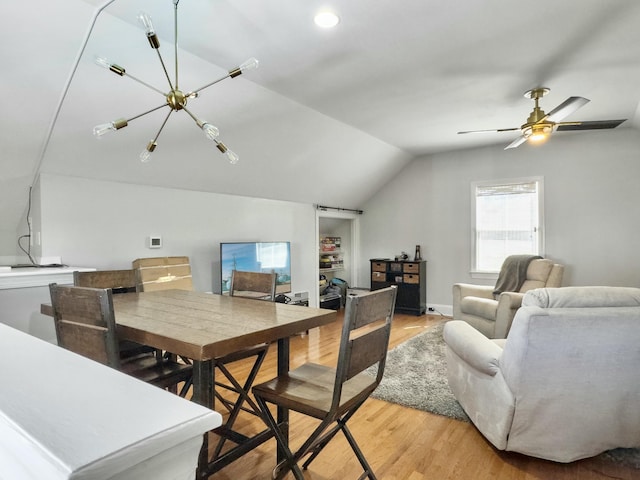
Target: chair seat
161	373
129	349
309	389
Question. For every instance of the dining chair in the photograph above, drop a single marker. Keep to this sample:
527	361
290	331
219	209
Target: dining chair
85	324
119	281
162	273
333	395
256	286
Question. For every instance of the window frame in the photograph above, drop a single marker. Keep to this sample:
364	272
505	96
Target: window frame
539	180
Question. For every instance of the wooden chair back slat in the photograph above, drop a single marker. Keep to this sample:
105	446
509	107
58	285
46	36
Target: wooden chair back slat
85	322
163	273
370	309
119	281
367	350
365	336
253	284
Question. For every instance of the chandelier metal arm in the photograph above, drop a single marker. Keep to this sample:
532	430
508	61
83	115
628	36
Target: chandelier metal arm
155	139
164	68
149	111
249	64
145	84
121	71
195	92
195	119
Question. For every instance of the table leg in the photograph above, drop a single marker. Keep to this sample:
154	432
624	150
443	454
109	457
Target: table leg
203	383
283	413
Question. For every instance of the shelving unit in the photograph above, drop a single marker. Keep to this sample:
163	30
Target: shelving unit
331	260
411	279
330	255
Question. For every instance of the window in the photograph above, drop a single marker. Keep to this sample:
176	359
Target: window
506	220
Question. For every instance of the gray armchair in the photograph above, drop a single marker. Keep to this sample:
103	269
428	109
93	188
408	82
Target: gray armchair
492	315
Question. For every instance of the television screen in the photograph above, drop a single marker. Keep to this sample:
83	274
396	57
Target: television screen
256	257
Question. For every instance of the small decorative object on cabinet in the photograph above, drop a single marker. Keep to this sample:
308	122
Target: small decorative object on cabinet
411	279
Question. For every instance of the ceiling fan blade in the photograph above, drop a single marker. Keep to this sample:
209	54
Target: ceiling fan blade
594	125
565	109
498	130
516	143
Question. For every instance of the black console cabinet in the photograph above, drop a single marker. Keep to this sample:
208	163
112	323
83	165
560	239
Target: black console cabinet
411	279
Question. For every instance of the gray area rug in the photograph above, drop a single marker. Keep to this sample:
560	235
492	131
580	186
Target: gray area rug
415	376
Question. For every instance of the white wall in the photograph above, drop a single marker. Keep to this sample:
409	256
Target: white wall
106	225
592	208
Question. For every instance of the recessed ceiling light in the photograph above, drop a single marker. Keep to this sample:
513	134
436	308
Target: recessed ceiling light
326	19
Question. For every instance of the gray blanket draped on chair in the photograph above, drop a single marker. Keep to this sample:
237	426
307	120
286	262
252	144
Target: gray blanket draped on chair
513	273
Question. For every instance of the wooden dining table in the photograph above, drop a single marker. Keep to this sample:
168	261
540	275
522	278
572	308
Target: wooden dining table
204	326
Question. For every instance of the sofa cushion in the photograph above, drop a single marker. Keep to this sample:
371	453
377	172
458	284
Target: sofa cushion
537	274
586	297
480	307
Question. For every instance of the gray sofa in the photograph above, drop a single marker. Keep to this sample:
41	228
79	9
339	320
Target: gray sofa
564	384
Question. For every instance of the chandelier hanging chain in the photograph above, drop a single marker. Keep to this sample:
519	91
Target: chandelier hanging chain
175	99
175	37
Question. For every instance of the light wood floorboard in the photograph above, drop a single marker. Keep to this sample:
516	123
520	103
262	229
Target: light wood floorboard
399	442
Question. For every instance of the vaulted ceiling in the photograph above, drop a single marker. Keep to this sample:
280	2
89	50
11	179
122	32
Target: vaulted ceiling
328	117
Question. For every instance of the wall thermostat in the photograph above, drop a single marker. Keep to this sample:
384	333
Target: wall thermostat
155	242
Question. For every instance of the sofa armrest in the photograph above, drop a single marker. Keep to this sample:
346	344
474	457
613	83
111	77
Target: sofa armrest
511	299
472	347
469	290
508	304
461	290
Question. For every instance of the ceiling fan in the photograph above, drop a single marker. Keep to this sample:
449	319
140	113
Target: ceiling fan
540	125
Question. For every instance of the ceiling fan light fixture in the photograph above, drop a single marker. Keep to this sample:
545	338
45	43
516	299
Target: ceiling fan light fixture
537	133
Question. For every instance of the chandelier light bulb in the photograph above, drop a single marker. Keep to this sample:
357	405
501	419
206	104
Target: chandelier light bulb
250	64
211	131
145	155
100	130
104	63
232	157
147	24
145	21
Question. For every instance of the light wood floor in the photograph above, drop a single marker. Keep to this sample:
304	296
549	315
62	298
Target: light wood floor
402	443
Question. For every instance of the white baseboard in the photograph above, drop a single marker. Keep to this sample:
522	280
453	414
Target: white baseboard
446	310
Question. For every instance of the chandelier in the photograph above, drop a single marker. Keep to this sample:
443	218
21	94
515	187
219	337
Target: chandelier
175	98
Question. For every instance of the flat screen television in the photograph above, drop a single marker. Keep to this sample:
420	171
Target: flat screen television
256	257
